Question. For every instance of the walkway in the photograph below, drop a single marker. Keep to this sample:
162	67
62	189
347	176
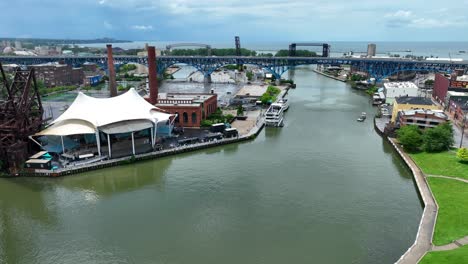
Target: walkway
447	177
423	242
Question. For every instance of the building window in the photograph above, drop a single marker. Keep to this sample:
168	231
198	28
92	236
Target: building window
176	118
421	122
194	118
185	116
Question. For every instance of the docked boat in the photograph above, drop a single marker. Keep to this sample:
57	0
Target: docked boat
274	115
362	117
284	103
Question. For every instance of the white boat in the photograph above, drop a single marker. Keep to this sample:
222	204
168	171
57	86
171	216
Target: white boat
284	102
362	117
274	115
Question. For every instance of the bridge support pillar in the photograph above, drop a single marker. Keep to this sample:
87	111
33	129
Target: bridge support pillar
207	78
277	81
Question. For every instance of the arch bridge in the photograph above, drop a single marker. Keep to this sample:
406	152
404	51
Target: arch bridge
376	68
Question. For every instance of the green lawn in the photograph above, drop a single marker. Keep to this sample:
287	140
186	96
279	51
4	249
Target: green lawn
452	219
443	163
459	255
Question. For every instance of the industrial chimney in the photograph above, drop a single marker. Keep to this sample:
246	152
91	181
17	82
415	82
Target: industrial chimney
152	75
110	66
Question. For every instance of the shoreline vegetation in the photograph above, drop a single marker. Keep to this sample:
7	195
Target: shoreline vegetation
446	174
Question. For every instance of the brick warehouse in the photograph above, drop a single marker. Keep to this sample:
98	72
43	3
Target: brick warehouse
190	108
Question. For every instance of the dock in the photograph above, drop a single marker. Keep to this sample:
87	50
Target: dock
252	134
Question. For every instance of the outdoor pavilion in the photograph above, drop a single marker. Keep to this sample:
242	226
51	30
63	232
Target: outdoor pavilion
126	113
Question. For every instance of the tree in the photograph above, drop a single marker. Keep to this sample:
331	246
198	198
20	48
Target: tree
249	75
439	138
410	137
240	110
462	154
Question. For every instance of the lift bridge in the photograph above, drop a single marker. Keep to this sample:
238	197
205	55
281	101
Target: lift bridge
377	68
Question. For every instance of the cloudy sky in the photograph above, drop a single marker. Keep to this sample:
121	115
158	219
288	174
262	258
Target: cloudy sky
253	20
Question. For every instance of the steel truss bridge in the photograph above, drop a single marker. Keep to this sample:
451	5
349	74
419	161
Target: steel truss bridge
376	68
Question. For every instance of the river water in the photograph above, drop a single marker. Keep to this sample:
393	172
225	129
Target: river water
322	189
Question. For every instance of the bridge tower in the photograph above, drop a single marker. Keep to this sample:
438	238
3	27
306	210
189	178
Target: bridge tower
292	50
238	52
326	50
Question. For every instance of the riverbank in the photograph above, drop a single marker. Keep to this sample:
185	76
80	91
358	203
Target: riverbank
431	221
328	75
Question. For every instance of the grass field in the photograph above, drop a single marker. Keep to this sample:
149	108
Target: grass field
452	219
443	163
459	255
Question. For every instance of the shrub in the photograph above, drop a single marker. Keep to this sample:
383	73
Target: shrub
462	154
410	137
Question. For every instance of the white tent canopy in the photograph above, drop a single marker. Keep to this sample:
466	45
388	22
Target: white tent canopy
125	113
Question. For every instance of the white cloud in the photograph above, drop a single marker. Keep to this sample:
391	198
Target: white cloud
405	18
108	25
400	14
142	27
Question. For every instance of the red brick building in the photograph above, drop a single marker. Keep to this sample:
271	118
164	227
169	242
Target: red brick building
443	84
58	74
190	109
458	108
421	118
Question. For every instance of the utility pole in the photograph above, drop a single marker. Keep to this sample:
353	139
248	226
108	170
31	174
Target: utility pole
463	130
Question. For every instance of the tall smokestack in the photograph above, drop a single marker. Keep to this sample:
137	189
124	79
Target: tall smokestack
152	75
110	66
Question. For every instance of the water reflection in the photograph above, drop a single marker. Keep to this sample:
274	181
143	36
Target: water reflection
120	179
271	133
30	209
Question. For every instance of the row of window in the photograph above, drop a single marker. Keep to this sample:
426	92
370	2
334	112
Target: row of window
185	118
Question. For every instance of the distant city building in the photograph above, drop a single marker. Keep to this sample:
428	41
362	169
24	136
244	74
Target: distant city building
18	45
398	89
411	103
443	84
61	74
421	118
371	50
53	74
77	75
42	50
190	109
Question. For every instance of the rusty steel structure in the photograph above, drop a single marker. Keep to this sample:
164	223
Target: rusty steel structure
21	115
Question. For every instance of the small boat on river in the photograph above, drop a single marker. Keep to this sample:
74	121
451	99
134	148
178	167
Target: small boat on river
362	117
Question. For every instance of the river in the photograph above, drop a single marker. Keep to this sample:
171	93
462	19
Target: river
322	189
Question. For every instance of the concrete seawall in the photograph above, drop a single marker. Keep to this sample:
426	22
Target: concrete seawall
327	75
423	241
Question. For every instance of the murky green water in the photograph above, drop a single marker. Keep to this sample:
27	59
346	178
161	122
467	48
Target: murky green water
323	189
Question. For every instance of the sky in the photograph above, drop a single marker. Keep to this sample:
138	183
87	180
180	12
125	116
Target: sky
253	20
